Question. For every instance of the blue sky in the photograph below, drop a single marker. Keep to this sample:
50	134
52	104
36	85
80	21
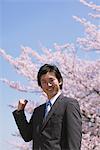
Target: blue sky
27	23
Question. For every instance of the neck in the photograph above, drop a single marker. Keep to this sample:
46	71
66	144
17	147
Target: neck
50	96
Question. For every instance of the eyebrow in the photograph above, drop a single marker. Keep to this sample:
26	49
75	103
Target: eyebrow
48	78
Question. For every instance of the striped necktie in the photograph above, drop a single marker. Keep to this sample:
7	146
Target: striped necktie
48	107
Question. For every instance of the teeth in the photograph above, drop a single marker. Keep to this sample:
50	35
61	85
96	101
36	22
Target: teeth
49	89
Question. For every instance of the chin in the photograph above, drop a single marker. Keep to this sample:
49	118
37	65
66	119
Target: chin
52	95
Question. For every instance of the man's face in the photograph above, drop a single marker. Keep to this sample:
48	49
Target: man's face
50	84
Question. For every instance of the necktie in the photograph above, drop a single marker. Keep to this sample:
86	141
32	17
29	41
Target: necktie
48	107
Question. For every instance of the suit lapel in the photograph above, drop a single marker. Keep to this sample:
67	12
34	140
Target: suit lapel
40	116
53	108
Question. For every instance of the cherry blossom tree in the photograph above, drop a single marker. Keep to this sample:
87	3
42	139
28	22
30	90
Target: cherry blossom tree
81	77
91	38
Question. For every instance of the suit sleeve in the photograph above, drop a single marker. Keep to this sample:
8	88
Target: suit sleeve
74	125
25	127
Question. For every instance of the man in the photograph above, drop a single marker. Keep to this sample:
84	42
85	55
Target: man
61	127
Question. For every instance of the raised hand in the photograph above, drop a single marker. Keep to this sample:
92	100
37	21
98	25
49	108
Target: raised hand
22	103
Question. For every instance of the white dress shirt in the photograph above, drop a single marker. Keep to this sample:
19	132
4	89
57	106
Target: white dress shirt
50	102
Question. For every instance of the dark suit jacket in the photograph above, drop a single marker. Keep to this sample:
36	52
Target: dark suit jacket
61	130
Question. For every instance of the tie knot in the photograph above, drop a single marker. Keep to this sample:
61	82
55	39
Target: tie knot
49	103
48	107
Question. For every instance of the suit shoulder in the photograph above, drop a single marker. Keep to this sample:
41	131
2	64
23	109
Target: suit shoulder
67	100
71	103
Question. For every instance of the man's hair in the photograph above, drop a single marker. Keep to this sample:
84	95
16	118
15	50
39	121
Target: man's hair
49	68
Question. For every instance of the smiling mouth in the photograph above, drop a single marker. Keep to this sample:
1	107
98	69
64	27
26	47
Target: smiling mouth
49	89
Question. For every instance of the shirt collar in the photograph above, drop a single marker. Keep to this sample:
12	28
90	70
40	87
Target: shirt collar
52	100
